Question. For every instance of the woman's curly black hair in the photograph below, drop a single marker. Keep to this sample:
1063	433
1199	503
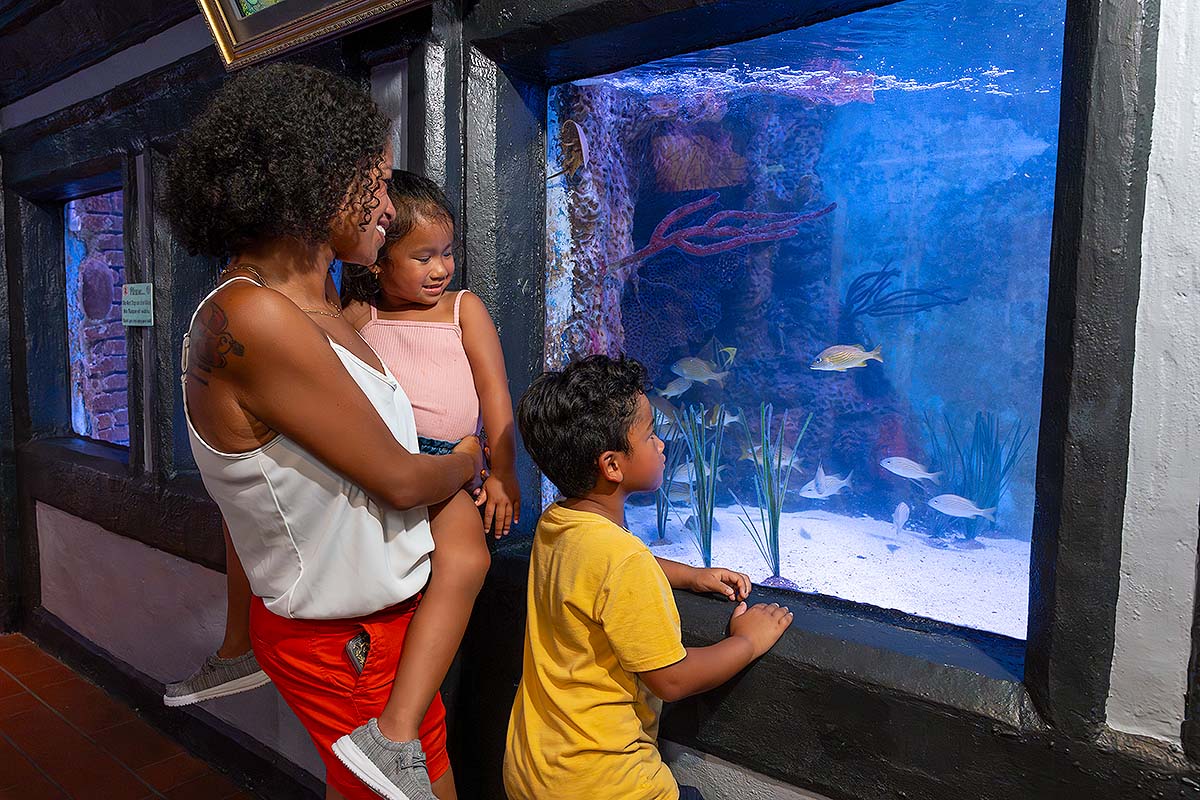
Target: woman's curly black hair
274	155
415	198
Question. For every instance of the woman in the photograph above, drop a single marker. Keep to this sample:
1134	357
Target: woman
302	436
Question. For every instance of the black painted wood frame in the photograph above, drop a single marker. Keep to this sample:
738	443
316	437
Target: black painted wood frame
515	50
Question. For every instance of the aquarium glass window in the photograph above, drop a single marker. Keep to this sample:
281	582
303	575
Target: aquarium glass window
830	248
95	262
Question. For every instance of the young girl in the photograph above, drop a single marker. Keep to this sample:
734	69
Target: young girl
443	349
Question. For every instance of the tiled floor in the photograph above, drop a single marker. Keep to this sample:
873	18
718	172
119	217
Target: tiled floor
62	737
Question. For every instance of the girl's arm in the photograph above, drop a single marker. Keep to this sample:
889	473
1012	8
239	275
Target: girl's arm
482	345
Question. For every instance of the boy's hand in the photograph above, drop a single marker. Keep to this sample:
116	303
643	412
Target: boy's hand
503	509
761	625
718	580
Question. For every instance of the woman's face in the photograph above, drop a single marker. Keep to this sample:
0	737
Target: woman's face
418	268
351	239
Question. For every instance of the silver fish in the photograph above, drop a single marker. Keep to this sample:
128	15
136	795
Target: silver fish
825	486
842	357
676	387
900	517
907	468
676	492
690	524
699	370
954	506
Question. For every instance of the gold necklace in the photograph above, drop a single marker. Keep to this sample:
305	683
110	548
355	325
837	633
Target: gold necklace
336	314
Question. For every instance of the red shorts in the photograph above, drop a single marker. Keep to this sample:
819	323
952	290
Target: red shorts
307	662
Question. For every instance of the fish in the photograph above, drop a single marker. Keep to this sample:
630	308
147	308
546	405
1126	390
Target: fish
731	417
676	492
690	524
825	486
954	506
676	387
750	453
900	517
664	407
841	357
699	371
907	468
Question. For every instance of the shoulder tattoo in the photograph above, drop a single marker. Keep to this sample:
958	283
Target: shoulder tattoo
212	344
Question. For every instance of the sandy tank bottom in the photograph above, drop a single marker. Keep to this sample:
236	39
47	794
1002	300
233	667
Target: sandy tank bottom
981	584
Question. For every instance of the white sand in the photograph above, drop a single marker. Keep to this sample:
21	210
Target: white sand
982	584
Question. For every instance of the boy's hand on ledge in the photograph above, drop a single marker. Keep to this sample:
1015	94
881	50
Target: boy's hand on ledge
735	586
761	625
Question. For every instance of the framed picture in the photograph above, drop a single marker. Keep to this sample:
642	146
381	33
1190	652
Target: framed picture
247	31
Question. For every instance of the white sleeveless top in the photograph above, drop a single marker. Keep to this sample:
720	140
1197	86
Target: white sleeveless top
314	544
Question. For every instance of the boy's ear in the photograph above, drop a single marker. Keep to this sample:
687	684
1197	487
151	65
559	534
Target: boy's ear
610	466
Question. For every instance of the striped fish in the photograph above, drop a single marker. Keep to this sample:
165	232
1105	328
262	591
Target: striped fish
842	357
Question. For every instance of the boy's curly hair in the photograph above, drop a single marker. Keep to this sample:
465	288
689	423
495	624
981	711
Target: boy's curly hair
415	198
274	154
568	419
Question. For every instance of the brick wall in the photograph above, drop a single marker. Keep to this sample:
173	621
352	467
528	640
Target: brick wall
95	275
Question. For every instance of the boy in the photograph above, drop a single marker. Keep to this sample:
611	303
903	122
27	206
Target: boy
603	627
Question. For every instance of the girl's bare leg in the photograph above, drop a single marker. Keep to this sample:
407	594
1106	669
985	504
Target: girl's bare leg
459	564
237	607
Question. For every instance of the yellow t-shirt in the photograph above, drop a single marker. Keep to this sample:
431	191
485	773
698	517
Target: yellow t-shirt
600	610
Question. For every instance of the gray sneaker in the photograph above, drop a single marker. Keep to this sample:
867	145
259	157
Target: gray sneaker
395	770
217	677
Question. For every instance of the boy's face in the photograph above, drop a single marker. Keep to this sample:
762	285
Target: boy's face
642	467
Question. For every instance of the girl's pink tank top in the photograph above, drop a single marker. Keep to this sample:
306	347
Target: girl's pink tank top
429	362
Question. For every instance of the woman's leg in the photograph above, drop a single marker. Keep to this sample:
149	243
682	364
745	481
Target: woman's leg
237	606
459	565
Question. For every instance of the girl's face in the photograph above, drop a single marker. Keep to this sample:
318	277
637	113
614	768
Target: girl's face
418	268
355	239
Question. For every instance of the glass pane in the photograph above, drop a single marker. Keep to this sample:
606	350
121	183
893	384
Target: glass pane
849	225
95	259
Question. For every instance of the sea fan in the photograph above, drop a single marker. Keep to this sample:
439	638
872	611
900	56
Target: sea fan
687	161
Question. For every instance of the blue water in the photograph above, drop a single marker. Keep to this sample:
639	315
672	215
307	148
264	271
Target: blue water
892	174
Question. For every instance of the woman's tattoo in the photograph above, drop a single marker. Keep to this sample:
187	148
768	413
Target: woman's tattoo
213	343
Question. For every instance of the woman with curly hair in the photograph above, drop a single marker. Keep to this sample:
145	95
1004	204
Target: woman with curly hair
303	437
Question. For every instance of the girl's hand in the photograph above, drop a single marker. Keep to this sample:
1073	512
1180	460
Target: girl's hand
503	504
471	446
718	580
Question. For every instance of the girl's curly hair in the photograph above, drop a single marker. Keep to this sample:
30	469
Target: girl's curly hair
274	154
415	198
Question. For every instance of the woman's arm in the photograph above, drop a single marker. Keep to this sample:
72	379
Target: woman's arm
482	345
255	356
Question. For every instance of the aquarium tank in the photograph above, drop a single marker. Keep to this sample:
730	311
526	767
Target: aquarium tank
830	248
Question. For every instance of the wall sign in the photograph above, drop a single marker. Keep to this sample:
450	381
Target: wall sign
247	31
137	305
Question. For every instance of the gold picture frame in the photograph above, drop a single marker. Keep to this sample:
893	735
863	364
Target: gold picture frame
248	31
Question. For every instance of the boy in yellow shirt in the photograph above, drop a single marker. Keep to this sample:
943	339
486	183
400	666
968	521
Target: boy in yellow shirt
602	640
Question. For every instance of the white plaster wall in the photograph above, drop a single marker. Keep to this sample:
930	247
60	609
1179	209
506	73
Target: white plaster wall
1158	560
160	614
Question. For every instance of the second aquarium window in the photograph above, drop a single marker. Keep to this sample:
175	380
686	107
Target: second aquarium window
830	248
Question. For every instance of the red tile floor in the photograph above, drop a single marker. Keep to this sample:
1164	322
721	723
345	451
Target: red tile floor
62	737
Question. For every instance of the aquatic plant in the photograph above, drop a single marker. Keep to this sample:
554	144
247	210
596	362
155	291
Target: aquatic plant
704	449
979	469
675	452
724	230
773	467
870	295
